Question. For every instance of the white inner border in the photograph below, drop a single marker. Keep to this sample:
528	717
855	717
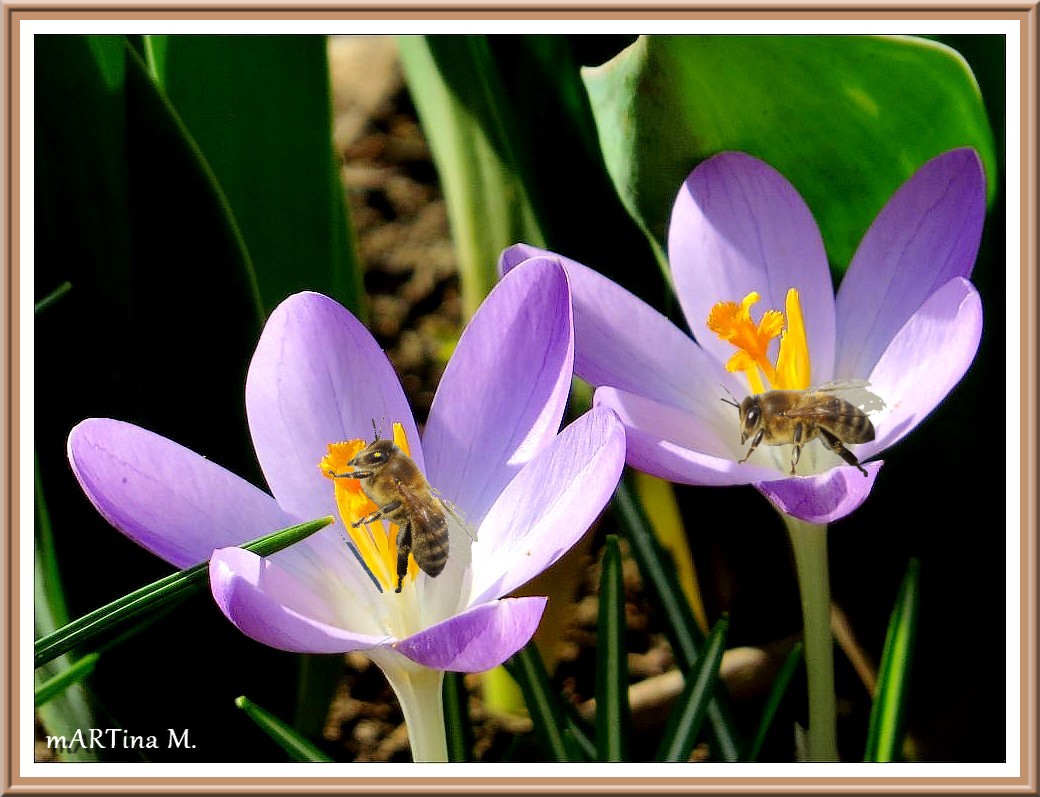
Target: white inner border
1013	507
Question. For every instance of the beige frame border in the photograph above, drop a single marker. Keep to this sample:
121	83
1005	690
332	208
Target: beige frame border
1024	13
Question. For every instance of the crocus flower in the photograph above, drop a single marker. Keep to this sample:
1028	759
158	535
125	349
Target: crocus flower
317	384
905	318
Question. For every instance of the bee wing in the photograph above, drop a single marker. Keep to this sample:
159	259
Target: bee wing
455	513
855	392
421	511
822	408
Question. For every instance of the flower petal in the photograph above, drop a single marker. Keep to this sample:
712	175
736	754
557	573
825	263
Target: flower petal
478	639
549	505
165	497
822	498
926	234
268	604
924	361
504	391
680	446
739	226
620	340
317	377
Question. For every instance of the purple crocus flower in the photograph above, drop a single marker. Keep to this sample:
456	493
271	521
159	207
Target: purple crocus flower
492	447
905	318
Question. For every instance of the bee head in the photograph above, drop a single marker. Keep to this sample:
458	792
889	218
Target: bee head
750	417
375	455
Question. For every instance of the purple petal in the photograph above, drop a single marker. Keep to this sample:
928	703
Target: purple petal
925	360
177	504
822	498
317	377
739	226
928	233
504	391
680	446
478	639
549	505
621	341
271	606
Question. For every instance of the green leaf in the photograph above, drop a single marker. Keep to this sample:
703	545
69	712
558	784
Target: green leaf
298	747
258	109
528	669
53	687
661	582
151	597
457	724
684	723
613	714
888	714
847	119
774	699
316	684
467	120
52	297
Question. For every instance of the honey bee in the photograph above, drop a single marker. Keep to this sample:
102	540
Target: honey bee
795	417
395	484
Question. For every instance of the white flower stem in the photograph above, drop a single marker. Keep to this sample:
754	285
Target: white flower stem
809	543
419	690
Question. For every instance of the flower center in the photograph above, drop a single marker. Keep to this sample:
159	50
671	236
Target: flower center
733	323
375	542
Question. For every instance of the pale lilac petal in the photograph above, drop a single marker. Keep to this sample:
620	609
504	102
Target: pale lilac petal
928	233
925	360
739	226
504	391
822	498
478	639
549	505
177	504
317	377
620	340
679	446
271	606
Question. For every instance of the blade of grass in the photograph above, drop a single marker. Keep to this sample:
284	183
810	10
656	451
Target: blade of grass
156	594
298	747
684	723
613	715
52	297
888	714
665	592
774	699
456	718
66	678
528	669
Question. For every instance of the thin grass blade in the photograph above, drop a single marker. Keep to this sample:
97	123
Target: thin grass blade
456	718
66	678
684	723
774	699
888	715
665	592
158	593
528	669
613	714
298	747
52	297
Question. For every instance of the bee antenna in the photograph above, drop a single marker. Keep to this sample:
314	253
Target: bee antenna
731	400
375	431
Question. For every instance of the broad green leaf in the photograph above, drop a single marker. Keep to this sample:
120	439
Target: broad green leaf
465	115
613	715
847	119
258	108
684	723
457	724
888	714
664	591
316	683
298	747
149	598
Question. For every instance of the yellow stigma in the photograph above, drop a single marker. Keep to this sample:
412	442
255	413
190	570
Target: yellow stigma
733	323
376	544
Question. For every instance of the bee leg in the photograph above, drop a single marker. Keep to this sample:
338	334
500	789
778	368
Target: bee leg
797	453
835	445
754	444
404	547
354	474
388	509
